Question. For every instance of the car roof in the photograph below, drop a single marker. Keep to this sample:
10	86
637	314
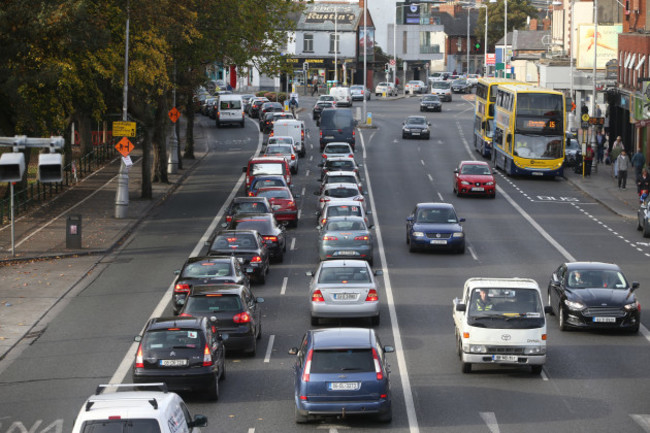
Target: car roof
342	185
346	218
343	262
472	162
592	265
213	259
173	322
343	203
227	289
342	173
253	199
340	158
337	338
416	117
126	404
254	215
435	205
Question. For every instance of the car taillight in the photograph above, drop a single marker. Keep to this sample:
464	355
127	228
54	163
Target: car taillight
271	134
185	315
322	222
353	133
293	157
324	200
250	194
324	156
330	238
372	296
291	204
317	296
207	357
271	238
307	369
375	358
182	288
241	318
256	259
361	238
139	359
321	134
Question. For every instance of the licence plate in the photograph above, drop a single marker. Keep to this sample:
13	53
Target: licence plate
344	386
249	270
415	133
605	319
345	296
329	137
537	173
509	358
173	362
346	253
438	242
478	189
276	207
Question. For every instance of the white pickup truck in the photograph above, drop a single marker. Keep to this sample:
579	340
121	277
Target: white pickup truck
501	321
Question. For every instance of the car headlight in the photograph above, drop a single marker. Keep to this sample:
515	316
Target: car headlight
464	182
489	183
534	350
418	234
574	305
407	130
632	306
458	235
477	348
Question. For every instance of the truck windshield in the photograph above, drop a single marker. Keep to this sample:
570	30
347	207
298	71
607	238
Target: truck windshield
506	309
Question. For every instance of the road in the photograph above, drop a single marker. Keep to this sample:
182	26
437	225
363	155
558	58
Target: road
592	382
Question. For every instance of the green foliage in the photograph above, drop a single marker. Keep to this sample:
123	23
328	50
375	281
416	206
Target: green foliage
518	11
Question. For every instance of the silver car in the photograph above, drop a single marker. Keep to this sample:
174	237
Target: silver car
344	289
338	191
341	177
337	149
343	208
346	237
288	151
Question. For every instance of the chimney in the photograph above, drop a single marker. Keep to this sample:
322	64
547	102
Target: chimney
546	23
532	25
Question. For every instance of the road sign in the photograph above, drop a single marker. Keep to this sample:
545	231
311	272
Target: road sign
124	146
490	59
585	118
123	129
392	62
174	114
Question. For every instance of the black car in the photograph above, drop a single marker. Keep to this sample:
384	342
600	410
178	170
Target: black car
274	235
267	125
206	270
185	353
319	107
593	295
461	86
248	204
236	311
430	103
416	127
337	124
269	107
254	110
247	244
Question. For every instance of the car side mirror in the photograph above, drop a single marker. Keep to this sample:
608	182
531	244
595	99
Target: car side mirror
461	307
368	212
635	285
409	219
461	220
389	349
295	196
293	351
177	272
309	273
456	171
243	169
137	338
371	226
378	273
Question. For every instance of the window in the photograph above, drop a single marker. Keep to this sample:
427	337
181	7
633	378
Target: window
308	43
425	44
335	40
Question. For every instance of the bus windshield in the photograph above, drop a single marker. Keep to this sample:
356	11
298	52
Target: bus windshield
538	146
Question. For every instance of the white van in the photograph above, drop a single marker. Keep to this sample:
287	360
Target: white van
291	128
501	321
157	411
342	96
230	109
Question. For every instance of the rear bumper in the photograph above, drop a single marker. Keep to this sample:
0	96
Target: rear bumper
380	406
324	310
201	379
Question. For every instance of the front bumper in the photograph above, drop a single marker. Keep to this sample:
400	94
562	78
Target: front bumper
424	242
487	358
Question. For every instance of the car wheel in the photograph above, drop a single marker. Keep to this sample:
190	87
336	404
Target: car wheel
466	367
300	419
536	369
635	329
374	321
315	321
222	376
262	278
456	191
562	319
412	247
213	390
552	313
252	352
461	250
386	417
646	229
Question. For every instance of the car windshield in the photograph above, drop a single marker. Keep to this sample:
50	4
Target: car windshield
343	211
460	82
207	270
478	169
278	149
233	241
416	121
436	216
326	98
431	98
344	275
342	360
440	85
121	426
538	146
341	192
212	303
275	193
174	338
596	278
513	308
280	140
345	225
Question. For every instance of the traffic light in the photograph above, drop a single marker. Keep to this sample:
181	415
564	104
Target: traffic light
477	47
386	67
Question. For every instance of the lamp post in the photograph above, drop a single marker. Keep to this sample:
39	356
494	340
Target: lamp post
473	6
122	192
593	78
336	45
365	57
505	34
572	114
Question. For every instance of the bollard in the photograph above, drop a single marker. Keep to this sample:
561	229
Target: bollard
369	119
73	232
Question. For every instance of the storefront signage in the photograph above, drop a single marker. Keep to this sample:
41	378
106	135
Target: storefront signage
322	13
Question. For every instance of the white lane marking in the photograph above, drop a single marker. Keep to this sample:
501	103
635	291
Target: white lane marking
430	177
293	244
302	191
307	173
299	212
491	420
644	331
127	361
422	161
471	251
440	197
643	420
399	347
269	349
544	376
283	290
311	158
251	430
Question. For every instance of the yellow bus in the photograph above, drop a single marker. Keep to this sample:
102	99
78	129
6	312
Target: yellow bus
486	93
529	137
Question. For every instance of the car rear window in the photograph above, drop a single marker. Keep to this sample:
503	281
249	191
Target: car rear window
207	270
341	179
121	426
341	165
338	119
341	192
253	206
162	339
342	360
234	104
345	225
351	275
215	303
266	168
235	241
280	140
275	193
280	148
343	211
337	148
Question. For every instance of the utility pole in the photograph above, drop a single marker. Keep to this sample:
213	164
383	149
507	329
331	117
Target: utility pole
122	193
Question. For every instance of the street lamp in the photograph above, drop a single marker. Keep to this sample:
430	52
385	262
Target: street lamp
593	78
505	34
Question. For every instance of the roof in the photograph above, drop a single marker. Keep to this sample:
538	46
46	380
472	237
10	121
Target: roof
527	40
223	258
343	262
457	25
335	338
173	322
473	162
435	205
256	199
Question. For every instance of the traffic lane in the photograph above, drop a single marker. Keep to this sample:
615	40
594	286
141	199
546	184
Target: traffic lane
83	345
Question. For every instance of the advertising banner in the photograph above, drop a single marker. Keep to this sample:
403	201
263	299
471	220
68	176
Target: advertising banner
607	45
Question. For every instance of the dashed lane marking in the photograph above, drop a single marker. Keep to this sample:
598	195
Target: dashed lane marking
269	349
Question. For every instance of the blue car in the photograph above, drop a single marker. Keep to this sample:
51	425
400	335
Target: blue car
340	372
435	226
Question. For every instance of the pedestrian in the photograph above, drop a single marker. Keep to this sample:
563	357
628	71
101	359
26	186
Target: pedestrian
589	158
643	185
293	104
638	161
600	146
454	73
315	88
617	146
623	163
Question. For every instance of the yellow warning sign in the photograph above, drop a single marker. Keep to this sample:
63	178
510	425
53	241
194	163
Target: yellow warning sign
123	129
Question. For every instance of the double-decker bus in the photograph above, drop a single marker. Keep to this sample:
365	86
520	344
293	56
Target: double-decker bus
529	134
486	93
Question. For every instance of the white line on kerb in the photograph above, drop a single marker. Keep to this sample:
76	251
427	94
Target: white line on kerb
269	349
399	347
284	285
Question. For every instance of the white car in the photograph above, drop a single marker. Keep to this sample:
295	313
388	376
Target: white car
342	95
472	79
386	87
415	86
339	191
442	89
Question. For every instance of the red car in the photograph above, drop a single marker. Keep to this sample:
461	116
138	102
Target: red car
474	178
282	202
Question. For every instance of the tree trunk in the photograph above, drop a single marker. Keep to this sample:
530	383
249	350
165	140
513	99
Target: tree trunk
177	131
146	191
85	132
159	142
189	132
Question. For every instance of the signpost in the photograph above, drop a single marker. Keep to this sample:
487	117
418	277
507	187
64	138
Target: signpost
123	129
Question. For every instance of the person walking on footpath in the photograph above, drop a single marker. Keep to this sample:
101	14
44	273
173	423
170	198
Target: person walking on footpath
600	147
589	159
315	88
638	161
623	162
617	146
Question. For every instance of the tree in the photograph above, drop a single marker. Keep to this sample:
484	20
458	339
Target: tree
518	11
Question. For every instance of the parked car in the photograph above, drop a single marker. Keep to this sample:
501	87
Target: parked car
247	244
342	289
594	295
442	89
472	79
430	103
474	178
358	92
415	86
341	371
435	226
385	87
346	237
416	127
185	353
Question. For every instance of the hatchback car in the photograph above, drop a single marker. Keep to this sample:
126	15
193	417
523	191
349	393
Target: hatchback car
416	127
282	202
237	313
186	353
246	244
342	208
206	270
358	93
430	103
254	109
253	204
474	178
435	226
341	177
269	107
442	89
338	191
385	87
593	295
346	237
337	150
338	164
415	86
285	150
274	235
344	289
341	372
